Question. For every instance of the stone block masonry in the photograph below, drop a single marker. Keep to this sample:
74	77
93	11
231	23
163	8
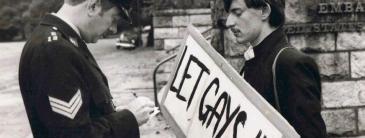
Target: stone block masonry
340	122
170	25
341	60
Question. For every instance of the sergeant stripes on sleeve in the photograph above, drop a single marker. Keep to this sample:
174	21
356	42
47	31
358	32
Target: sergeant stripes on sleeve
68	109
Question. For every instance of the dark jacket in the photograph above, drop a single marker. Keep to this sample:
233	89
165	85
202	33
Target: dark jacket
298	82
64	91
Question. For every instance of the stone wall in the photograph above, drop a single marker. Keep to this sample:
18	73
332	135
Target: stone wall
170	25
180	4
341	59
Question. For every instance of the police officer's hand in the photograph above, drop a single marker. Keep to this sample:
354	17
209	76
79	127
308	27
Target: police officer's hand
141	108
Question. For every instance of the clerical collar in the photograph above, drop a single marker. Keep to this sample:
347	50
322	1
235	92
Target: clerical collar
68	22
261	48
249	53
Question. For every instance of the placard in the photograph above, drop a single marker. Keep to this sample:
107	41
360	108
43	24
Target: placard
206	97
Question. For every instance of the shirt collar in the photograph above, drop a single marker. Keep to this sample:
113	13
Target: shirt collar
68	22
249	53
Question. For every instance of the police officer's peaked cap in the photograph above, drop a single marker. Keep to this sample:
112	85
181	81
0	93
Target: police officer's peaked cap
122	3
125	8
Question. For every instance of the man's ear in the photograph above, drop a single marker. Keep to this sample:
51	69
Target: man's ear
266	12
94	7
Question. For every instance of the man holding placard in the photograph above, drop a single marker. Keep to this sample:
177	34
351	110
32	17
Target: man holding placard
288	79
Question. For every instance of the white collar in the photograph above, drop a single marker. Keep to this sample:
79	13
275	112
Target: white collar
249	53
67	22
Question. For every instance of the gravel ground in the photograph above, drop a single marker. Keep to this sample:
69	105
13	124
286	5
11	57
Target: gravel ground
128	72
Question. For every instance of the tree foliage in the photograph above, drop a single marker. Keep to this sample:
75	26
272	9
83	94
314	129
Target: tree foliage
19	17
11	18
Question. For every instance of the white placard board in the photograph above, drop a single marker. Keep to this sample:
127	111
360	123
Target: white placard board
205	97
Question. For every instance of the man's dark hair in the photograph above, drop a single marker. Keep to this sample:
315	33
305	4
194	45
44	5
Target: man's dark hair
277	15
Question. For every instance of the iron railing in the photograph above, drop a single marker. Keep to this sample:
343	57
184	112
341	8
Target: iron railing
206	34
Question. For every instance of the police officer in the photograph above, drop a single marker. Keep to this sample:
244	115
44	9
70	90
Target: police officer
64	91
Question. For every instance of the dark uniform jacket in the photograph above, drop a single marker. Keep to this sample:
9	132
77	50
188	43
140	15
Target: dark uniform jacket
64	91
298	82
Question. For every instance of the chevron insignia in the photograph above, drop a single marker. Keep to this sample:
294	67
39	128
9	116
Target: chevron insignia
68	109
74	41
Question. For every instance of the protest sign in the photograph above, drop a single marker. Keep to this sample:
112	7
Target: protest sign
206	97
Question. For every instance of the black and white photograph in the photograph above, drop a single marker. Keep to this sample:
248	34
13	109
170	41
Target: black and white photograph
182	68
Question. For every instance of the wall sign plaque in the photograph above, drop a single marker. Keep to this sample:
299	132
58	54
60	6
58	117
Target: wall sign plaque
325	16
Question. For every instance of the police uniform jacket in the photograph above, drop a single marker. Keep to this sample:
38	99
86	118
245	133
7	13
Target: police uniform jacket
64	91
298	83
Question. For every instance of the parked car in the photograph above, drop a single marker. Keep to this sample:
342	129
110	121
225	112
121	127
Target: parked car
125	42
133	38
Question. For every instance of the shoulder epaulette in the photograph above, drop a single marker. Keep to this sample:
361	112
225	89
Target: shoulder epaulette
53	35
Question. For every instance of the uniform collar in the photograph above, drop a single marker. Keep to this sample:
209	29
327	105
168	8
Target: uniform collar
60	25
68	22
